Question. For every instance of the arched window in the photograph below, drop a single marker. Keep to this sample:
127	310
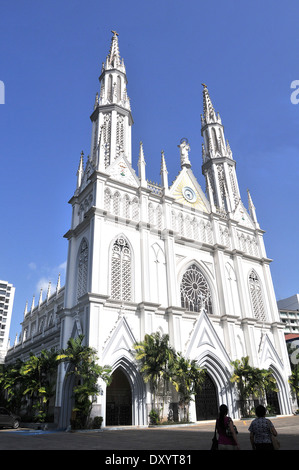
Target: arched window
256	296
116	203
118	88
215	140
126	207
195	291
110	88
82	269
121	271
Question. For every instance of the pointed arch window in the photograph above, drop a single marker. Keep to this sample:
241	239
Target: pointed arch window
215	140
110	88
118	88
195	291
82	269
121	270
256	296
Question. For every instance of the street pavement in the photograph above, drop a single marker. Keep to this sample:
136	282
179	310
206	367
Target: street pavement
115	442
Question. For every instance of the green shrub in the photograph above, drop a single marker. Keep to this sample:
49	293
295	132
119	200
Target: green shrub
97	422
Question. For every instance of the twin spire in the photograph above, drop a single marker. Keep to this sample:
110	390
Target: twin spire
111	137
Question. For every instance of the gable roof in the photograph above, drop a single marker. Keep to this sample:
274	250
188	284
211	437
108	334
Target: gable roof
183	182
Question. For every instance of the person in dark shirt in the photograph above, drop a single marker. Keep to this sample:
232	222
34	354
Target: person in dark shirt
260	430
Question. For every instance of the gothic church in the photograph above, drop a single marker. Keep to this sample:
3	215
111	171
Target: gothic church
172	258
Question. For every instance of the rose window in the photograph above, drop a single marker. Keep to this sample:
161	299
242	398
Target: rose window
195	291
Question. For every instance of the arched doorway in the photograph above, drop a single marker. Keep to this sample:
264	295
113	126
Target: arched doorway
206	400
119	400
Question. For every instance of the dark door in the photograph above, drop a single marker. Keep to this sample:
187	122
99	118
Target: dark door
119	401
206	400
272	402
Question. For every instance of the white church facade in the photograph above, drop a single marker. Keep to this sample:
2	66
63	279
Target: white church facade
172	258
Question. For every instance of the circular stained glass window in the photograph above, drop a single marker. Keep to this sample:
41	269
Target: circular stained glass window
195	291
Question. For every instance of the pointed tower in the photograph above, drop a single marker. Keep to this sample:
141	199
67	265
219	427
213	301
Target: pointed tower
218	167
141	166
111	118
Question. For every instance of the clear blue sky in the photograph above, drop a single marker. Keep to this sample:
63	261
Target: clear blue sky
51	54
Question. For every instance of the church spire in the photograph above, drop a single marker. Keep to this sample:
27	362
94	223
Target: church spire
141	166
80	170
218	165
111	117
252	209
209	114
164	173
113	58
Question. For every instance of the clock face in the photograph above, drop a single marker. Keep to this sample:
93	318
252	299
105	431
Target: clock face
189	194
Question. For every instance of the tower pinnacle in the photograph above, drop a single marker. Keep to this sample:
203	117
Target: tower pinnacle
113	60
218	164
111	117
209	114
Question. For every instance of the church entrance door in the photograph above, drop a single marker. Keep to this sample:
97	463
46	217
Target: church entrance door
119	400
272	402
206	400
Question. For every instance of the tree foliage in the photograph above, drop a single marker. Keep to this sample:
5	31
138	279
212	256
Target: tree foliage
34	380
83	366
161	366
251	382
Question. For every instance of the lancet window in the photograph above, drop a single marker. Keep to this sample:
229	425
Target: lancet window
195	291
256	295
82	269
121	270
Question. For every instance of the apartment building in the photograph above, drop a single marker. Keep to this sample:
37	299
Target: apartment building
289	313
7	293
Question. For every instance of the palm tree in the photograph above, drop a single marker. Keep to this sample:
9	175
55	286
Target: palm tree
12	386
251	381
83	366
39	374
187	378
156	359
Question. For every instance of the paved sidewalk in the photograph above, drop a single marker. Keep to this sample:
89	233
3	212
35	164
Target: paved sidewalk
171	438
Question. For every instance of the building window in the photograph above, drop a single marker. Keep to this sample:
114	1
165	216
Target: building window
121	271
195	291
82	269
256	296
118	91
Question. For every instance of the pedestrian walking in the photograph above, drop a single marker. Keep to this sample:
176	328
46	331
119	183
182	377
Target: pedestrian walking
262	431
227	431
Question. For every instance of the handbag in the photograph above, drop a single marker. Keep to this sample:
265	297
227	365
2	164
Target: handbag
214	441
275	442
228	431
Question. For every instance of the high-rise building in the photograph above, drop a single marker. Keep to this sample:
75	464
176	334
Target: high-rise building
7	293
171	258
289	313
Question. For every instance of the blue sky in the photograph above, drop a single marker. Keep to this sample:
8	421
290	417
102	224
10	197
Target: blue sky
51	54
